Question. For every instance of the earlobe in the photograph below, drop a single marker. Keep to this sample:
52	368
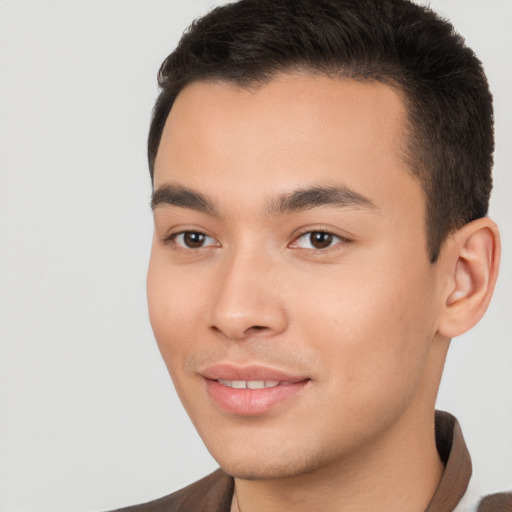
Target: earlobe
473	265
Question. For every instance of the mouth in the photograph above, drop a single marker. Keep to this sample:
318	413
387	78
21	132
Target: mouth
251	391
252	384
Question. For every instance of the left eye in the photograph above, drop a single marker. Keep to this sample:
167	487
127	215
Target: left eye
317	240
193	239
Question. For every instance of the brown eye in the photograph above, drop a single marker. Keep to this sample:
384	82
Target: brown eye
320	239
192	240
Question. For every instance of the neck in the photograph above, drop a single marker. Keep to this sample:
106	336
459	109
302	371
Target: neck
398	472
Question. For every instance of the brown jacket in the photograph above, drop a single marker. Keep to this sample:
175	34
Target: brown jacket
214	492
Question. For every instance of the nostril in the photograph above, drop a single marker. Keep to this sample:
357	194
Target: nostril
252	332
255	329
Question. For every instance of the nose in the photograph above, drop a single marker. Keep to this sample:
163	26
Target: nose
248	300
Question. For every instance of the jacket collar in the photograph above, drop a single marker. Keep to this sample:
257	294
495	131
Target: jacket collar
457	464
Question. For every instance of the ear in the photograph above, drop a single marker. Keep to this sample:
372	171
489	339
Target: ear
472	256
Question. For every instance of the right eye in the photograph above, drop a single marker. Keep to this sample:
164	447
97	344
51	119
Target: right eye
192	240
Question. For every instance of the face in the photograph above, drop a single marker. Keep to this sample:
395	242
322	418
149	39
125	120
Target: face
289	286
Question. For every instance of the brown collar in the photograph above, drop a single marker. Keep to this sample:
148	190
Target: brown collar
457	464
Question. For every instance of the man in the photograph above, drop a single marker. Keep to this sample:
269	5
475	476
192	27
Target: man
321	175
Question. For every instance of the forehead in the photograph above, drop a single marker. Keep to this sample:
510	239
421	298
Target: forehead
294	131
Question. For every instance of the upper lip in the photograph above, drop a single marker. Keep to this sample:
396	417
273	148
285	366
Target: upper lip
228	371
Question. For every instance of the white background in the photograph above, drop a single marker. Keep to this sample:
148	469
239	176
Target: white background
89	419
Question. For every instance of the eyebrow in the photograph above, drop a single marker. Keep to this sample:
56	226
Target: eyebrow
298	200
313	197
184	197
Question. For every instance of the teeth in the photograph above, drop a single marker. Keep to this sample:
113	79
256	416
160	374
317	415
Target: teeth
255	384
249	384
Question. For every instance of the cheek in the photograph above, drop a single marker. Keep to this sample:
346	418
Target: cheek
174	306
372	329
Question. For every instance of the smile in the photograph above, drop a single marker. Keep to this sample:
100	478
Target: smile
251	390
252	384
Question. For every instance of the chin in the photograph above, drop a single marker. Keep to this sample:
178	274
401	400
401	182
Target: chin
246	470
268	466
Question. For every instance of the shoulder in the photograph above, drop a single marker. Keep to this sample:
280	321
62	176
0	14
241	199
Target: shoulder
212	493
501	502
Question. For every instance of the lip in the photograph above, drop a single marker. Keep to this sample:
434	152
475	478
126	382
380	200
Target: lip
253	372
251	402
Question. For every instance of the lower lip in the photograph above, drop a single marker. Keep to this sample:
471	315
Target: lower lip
250	402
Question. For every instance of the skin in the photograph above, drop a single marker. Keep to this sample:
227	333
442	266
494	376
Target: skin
367	318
